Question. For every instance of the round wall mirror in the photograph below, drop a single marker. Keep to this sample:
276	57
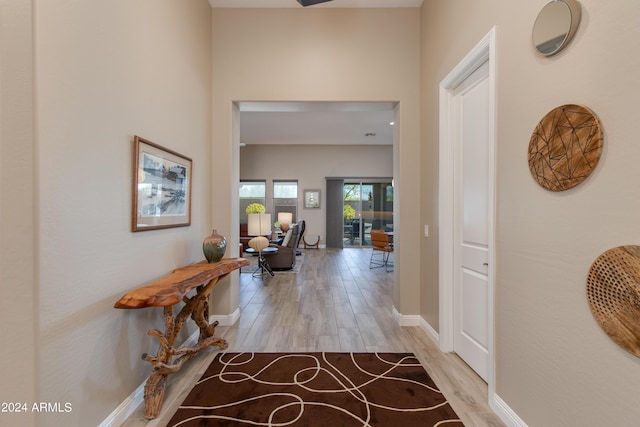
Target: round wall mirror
555	26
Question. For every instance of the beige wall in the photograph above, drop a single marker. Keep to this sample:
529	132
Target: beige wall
554	365
144	68
310	165
17	214
321	55
107	71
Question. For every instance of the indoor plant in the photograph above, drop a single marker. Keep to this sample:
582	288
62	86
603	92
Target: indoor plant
255	208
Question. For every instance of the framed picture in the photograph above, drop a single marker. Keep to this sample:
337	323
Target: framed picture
161	187
312	199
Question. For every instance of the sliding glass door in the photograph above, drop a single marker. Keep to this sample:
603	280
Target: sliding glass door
368	205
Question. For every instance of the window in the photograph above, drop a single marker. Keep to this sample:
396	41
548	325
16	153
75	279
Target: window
251	192
285	198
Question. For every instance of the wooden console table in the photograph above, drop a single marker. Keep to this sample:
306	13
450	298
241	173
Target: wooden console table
167	292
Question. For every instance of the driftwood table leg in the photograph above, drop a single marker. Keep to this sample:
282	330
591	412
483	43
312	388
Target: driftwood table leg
154	395
157	382
196	307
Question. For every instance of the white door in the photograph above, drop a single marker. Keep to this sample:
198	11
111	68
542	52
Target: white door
471	220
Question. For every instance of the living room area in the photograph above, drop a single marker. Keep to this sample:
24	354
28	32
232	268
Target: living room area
288	152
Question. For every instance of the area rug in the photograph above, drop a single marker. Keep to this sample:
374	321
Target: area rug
315	389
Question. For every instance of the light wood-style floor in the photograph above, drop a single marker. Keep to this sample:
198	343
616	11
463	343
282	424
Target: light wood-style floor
334	303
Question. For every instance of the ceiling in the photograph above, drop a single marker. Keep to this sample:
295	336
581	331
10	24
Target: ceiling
330	4
316	123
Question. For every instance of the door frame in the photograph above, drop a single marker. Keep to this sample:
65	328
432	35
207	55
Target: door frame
484	51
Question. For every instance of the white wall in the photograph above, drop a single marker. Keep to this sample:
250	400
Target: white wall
554	364
322	55
310	165
107	71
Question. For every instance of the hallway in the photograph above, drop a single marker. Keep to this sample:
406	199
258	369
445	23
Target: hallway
334	303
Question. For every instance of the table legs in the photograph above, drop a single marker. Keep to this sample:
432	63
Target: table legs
262	266
196	307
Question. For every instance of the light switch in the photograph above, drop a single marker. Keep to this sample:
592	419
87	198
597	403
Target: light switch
426	230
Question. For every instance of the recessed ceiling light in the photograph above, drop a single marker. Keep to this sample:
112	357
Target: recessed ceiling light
392	123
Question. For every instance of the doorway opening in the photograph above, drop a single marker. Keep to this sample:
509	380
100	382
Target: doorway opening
311	141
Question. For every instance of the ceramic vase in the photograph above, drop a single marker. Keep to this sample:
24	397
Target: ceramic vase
214	247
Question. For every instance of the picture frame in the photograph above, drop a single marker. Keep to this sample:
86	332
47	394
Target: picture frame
312	199
161	187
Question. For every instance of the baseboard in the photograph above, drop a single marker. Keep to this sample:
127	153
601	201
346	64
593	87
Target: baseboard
431	333
135	399
506	414
416	320
406	320
125	409
227	319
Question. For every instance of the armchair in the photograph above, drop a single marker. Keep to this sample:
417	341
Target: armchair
285	258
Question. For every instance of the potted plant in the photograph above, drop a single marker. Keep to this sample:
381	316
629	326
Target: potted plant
255	208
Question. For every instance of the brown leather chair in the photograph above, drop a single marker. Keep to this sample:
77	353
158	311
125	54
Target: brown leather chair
285	258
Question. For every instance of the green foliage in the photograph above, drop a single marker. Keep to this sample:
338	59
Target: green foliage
349	212
351	192
255	208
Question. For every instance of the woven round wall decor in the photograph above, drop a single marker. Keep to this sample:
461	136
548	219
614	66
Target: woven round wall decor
565	147
613	291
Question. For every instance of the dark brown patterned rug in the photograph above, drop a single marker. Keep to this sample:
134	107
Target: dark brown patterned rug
315	389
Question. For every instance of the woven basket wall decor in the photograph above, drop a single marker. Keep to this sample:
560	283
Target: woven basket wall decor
613	291
565	147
